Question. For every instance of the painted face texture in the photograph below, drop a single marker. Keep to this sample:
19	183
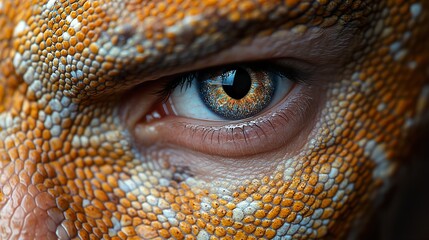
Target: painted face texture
205	119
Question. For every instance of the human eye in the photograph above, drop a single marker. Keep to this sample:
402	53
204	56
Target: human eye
233	93
234	110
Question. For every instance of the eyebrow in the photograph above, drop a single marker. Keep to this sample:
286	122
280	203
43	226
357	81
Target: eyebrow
138	46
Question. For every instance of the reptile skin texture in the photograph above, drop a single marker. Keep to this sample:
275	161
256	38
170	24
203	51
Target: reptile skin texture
72	168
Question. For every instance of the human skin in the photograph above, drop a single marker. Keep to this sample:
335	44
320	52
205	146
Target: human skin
79	160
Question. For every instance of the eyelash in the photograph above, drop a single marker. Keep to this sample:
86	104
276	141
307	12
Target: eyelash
185	80
249	134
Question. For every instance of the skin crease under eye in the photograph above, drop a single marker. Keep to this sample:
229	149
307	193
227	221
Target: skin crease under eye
284	125
202	155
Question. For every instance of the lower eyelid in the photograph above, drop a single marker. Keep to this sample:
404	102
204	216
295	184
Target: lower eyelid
284	124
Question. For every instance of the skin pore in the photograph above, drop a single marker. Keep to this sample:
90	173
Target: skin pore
89	149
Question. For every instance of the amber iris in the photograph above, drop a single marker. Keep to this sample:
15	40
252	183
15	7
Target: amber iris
237	92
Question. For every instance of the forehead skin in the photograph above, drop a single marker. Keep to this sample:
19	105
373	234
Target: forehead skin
68	168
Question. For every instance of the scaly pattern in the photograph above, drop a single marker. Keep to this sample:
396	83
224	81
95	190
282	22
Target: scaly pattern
69	167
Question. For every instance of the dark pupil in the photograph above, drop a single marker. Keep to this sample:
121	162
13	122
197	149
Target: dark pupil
236	83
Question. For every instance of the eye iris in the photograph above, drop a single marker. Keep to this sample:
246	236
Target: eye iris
237	83
237	93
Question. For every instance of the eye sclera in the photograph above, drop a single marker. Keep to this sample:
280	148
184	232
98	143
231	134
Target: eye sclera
285	125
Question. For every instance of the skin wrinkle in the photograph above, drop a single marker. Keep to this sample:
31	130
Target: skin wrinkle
301	115
70	167
329	49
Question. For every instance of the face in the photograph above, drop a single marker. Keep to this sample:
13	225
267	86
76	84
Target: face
199	119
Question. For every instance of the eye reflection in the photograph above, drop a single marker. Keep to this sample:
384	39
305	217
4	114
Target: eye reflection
236	83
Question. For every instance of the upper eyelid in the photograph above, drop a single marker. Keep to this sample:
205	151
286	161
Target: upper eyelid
316	47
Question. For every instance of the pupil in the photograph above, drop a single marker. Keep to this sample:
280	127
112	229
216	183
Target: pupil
237	83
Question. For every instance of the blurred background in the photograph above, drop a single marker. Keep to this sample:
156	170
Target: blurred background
405	214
